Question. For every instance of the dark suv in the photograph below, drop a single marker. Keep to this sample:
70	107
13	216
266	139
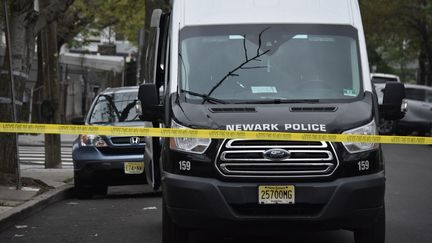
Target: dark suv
102	161
418	119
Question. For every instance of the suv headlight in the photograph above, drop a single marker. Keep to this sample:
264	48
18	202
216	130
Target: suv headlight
190	145
369	129
92	140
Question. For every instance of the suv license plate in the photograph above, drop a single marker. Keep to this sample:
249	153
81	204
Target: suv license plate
276	194
134	168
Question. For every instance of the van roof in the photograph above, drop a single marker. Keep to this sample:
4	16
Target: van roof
219	12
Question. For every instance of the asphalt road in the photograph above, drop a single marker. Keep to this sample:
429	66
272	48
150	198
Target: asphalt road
130	215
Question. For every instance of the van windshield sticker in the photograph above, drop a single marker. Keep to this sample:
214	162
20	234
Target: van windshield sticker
236	37
264	90
305	127
349	92
322	39
297	37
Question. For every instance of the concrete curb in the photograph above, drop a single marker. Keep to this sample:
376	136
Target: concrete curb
37	204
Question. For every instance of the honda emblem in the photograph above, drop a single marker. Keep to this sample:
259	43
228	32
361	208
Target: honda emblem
135	140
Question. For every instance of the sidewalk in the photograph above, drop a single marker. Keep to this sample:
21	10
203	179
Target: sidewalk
41	187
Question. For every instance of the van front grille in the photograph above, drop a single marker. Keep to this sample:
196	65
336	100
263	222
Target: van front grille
261	158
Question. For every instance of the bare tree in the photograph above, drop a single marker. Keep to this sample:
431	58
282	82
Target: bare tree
25	24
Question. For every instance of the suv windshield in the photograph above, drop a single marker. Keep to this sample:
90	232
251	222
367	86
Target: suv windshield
264	63
115	107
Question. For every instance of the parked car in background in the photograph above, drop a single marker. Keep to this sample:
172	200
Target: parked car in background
102	161
379	81
383	78
418	118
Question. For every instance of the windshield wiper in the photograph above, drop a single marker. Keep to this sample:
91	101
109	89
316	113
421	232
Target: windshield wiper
281	101
205	97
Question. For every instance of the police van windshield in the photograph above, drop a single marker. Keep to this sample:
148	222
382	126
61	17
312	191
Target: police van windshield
261	63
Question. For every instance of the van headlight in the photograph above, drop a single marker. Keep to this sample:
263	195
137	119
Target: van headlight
92	140
369	129
190	145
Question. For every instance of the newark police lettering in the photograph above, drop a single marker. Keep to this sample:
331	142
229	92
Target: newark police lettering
305	127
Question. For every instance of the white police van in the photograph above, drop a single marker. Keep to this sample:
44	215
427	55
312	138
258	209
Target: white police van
265	65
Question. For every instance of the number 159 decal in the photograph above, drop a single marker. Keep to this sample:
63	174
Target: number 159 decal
363	165
184	165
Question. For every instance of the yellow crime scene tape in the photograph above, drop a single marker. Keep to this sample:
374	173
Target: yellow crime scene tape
201	133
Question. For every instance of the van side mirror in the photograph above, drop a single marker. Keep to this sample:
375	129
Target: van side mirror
393	106
152	111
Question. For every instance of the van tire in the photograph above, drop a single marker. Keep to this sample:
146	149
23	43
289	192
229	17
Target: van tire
375	233
171	233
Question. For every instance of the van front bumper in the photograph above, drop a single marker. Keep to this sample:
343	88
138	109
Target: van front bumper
204	203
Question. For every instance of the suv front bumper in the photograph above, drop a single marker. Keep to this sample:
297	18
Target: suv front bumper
94	167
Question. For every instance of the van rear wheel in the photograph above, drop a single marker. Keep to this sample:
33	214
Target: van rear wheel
374	233
171	232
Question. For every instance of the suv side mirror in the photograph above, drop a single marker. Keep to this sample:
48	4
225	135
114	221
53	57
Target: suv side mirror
393	106
148	95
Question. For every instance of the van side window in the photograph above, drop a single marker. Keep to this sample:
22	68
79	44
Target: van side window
150	56
162	66
156	54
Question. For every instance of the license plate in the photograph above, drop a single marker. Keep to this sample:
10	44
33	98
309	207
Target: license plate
276	194
134	168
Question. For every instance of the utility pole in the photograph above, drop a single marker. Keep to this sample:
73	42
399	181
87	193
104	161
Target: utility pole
51	90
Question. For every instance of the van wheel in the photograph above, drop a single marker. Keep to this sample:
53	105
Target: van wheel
171	233
375	233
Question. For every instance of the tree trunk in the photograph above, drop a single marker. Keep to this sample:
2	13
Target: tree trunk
421	80
425	35
428	52
50	74
8	162
38	87
22	41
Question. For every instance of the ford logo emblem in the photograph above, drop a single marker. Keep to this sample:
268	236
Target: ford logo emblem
277	154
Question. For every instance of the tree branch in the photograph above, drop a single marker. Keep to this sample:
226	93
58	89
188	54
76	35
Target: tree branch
232	73
241	66
51	13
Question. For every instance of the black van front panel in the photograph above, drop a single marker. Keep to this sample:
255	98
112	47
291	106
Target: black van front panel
334	160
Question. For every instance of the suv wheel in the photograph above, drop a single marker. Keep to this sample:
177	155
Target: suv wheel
375	233
82	191
100	190
171	233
